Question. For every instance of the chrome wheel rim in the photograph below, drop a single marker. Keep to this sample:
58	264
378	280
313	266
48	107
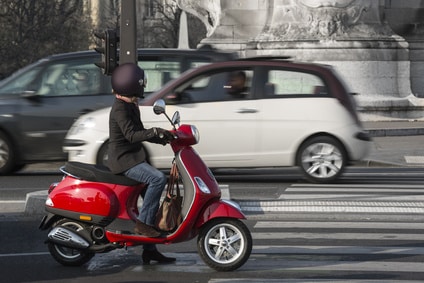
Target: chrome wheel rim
322	160
224	243
4	153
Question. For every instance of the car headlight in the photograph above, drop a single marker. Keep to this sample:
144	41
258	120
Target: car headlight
82	125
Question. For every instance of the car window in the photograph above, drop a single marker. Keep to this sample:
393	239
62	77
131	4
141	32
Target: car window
20	83
76	77
159	72
283	82
194	63
218	86
161	69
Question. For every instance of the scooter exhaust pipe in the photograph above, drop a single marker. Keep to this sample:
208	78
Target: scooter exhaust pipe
68	238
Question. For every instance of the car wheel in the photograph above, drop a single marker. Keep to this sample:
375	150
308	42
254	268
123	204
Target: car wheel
7	155
321	159
102	155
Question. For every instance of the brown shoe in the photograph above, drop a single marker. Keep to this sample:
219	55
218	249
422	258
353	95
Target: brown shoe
145	230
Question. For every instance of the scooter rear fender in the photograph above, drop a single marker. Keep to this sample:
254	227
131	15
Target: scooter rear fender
220	209
48	221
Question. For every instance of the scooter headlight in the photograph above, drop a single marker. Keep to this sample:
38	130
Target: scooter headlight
195	133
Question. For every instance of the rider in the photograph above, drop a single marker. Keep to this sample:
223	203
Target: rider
126	154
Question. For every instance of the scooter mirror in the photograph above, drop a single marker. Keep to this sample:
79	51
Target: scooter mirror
176	118
159	107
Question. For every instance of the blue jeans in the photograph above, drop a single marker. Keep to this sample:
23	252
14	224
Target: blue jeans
155	180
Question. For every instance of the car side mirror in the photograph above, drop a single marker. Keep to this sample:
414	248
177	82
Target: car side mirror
173	98
30	95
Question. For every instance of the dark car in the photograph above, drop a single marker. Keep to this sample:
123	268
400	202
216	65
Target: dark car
39	103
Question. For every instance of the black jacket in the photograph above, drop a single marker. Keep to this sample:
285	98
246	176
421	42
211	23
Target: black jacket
126	132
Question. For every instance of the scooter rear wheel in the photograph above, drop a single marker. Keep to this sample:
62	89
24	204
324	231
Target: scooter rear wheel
65	255
224	244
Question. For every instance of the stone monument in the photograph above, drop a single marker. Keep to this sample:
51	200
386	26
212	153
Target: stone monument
350	35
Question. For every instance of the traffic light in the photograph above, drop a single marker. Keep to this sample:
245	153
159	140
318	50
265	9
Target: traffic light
109	50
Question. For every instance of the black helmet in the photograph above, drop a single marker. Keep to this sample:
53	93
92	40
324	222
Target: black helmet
128	80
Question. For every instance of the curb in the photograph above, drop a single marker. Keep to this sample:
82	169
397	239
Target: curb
376	163
395	132
34	203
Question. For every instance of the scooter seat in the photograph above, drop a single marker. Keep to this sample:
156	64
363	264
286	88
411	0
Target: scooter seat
96	173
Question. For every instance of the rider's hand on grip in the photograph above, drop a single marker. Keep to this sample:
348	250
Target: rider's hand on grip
169	136
164	135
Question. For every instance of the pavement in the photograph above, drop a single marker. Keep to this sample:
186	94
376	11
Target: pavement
395	144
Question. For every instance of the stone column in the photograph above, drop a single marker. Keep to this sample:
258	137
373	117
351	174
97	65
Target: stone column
407	19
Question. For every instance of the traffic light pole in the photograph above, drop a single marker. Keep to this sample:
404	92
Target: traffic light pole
128	36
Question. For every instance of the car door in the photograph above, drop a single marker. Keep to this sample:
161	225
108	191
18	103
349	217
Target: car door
295	103
227	122
62	91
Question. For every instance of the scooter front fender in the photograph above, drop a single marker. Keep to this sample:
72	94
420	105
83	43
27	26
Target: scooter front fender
220	209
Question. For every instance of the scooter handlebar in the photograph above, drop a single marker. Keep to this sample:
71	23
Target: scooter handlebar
185	135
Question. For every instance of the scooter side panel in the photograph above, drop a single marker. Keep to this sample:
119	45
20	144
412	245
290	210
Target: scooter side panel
197	168
84	197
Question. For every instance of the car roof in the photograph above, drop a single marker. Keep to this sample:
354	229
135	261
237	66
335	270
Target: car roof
206	51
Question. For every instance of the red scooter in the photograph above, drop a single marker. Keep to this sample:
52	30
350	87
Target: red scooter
93	211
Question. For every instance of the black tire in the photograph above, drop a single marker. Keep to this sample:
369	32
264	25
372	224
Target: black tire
321	159
68	256
102	154
7	155
224	244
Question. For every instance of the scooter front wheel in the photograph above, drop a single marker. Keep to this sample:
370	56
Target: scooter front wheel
224	244
65	255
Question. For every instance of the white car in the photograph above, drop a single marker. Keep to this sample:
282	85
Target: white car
287	114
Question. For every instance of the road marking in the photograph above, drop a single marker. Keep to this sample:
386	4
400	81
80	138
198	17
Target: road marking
290	280
362	266
367	186
414	159
337	236
264	249
12	201
24	254
324	206
338	198
340	225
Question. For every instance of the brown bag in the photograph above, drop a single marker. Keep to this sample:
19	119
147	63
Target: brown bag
169	215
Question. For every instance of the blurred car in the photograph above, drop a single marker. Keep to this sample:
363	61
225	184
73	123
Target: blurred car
39	103
286	114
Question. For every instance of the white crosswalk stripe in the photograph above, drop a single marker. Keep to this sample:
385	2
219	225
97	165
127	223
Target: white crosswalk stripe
344	198
337	191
